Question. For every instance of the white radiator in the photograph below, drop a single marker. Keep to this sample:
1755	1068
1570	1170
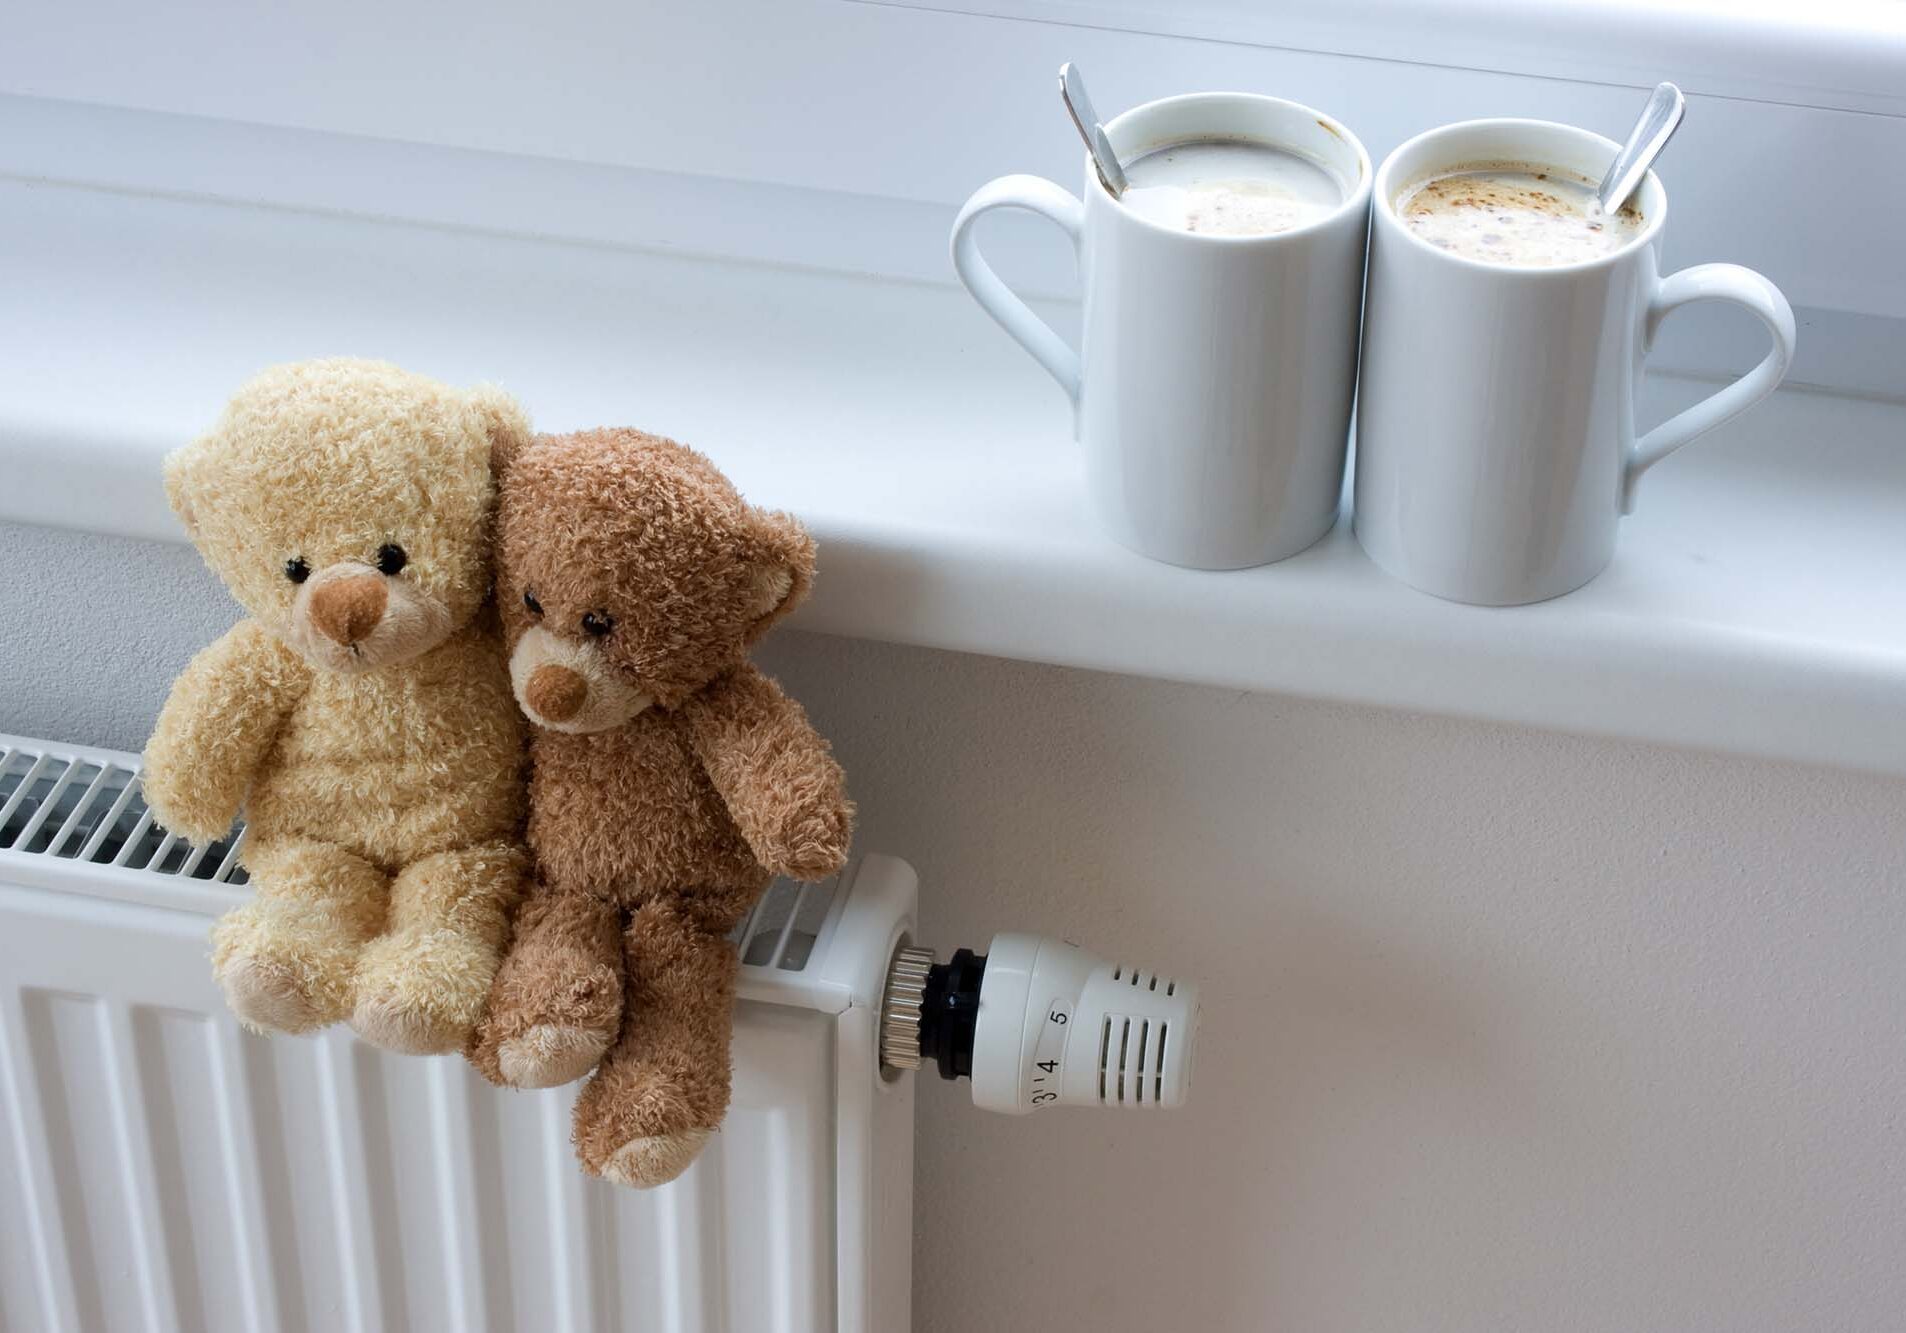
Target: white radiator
164	1170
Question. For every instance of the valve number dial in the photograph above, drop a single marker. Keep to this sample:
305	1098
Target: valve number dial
1048	1055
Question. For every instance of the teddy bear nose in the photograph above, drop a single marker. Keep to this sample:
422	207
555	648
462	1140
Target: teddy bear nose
555	692
347	610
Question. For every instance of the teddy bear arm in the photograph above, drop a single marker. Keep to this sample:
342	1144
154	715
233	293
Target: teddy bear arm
776	775
218	724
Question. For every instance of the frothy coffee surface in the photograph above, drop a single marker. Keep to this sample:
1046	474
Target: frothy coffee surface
1529	217
1229	188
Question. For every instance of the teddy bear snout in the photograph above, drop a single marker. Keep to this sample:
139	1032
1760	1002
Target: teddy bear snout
347	610
555	692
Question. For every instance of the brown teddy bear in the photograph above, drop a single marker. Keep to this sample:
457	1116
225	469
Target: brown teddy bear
361	714
671	781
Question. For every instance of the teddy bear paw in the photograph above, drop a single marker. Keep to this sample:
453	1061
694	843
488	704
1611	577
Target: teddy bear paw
813	845
654	1160
550	1054
187	808
268	995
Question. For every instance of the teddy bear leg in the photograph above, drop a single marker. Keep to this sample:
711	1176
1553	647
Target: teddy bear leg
285	959
420	985
556	1002
663	1087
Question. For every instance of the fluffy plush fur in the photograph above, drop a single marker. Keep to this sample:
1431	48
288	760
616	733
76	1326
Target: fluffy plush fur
362	713
671	782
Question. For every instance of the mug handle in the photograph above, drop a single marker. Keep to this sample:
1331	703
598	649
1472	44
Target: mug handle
1713	282
1033	194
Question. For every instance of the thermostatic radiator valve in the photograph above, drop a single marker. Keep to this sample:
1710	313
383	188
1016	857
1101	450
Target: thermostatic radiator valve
1038	1022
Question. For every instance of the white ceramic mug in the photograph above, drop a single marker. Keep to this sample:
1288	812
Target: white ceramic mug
1215	374
1496	447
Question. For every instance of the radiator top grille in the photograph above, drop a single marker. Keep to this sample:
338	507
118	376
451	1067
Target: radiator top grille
87	809
86	806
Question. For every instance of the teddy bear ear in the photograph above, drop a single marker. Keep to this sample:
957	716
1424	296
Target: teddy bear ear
784	570
504	421
178	490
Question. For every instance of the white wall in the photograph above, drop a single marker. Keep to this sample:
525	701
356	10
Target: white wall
1504	1029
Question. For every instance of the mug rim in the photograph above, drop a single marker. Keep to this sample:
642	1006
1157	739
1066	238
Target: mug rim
1384	197
1357	197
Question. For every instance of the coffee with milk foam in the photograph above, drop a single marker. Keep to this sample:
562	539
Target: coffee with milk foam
1516	214
1222	187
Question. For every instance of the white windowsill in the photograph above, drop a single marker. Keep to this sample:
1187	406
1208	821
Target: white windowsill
1758	603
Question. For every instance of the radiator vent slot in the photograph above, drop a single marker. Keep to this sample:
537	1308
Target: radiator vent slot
82	808
780	933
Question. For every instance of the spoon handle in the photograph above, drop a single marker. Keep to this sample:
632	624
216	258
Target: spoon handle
1079	104
1658	122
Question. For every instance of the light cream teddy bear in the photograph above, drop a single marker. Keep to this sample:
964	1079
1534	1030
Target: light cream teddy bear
361	714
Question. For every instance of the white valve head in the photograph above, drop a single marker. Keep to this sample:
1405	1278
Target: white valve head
1039	1022
1060	1027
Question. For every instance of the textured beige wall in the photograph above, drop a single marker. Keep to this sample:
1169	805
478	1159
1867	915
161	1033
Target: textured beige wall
1503	1029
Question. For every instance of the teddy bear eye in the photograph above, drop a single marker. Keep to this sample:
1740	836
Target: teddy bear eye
597	623
297	570
391	558
529	600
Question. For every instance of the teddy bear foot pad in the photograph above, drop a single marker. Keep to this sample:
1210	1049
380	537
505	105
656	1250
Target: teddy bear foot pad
388	1022
268	997
550	1055
647	1162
